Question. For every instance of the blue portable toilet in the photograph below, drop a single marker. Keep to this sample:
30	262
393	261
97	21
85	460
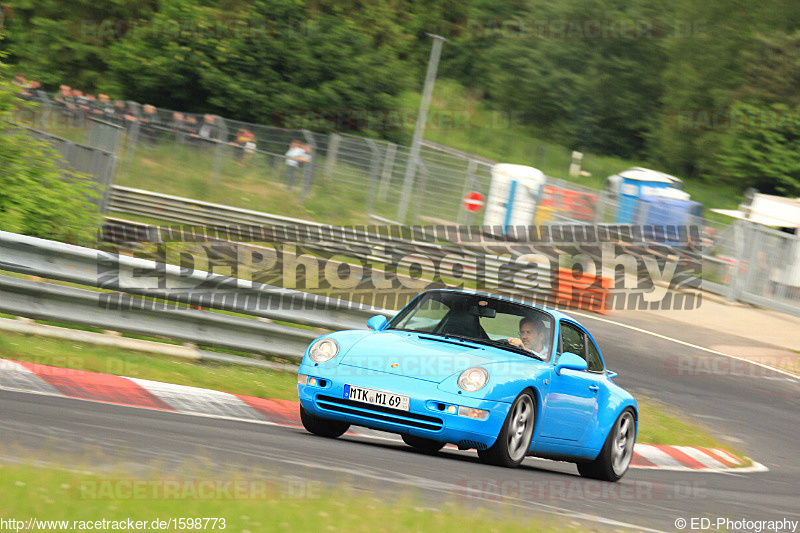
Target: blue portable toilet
632	186
668	207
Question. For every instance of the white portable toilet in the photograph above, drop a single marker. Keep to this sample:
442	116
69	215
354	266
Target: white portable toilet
513	194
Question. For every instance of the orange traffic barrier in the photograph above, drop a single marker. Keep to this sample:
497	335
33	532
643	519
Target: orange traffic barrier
584	292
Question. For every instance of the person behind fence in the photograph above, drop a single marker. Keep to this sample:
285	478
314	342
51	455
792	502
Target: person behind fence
250	143
105	108
238	143
150	123
190	128
245	144
65	100
296	155
178	126
532	335
209	129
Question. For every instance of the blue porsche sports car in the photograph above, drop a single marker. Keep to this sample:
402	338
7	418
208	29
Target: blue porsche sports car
479	371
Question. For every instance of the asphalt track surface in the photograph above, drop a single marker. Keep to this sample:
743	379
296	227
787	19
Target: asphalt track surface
755	410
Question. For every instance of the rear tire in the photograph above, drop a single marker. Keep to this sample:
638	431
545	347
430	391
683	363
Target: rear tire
422	444
322	426
514	440
615	457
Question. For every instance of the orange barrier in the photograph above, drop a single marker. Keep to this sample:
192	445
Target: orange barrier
578	204
584	292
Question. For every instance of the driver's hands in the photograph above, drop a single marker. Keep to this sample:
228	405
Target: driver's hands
513	341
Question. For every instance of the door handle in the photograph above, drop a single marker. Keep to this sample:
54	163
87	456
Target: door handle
594	388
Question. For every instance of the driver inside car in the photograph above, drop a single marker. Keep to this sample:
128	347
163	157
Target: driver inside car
532	335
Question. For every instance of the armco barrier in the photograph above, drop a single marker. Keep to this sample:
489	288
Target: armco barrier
121	310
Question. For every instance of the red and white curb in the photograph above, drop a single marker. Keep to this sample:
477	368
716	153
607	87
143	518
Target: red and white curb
142	393
691	458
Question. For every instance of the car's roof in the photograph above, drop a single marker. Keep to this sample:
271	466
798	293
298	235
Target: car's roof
517	300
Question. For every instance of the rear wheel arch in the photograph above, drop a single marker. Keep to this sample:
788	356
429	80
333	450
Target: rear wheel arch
616	454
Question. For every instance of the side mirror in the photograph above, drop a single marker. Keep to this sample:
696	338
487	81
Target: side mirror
610	374
377	323
570	361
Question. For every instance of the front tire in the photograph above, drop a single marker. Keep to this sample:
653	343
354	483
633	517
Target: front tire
615	457
422	444
514	440
322	426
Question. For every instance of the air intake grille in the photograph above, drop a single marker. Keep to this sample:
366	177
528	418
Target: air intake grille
378	413
467	444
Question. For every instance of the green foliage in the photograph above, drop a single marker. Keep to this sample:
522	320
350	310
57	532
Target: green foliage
764	152
595	94
772	69
607	94
37	197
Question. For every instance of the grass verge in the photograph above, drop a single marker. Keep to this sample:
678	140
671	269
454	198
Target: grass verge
263	505
91	358
657	425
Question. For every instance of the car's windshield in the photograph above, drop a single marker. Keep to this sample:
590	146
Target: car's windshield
480	318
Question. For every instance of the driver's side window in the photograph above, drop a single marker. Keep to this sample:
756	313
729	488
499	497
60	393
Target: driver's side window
572	340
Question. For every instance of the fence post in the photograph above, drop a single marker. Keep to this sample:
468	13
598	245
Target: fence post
219	149
373	174
469	184
388	169
308	168
333	152
130	145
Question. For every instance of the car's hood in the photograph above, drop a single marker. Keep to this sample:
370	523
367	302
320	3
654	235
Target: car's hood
421	356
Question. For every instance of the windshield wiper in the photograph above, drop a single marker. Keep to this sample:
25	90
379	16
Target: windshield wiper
499	344
506	345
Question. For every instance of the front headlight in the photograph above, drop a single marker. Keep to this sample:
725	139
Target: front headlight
473	379
323	350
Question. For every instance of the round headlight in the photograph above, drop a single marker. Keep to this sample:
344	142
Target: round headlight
323	350
473	379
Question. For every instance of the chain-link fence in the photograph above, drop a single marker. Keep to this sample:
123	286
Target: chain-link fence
767	272
345	178
99	164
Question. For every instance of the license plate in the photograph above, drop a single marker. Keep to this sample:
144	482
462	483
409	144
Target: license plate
375	397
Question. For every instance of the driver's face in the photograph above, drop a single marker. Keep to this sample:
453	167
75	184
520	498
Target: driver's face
528	334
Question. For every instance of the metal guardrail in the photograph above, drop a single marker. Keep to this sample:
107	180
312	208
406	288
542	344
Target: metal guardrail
383	249
479	263
95	268
45	301
535	283
168	289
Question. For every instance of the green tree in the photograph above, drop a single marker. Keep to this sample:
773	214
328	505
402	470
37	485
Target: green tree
596	92
763	150
38	196
772	69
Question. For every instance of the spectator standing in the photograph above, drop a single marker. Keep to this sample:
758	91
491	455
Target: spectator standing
239	142
250	143
178	125
150	123
105	108
191	126
294	157
209	130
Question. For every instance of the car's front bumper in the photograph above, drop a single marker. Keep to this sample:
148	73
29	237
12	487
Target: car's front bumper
428	415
